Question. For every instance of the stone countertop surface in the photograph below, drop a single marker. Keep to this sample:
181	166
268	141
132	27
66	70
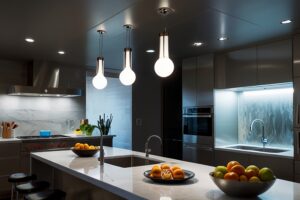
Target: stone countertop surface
130	183
69	136
289	153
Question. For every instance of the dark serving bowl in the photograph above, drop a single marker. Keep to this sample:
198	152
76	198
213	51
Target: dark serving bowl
84	153
187	175
241	189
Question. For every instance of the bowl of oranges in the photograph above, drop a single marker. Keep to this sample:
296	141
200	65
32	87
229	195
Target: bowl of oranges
236	180
84	150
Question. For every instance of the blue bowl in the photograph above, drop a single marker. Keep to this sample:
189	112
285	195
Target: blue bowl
45	133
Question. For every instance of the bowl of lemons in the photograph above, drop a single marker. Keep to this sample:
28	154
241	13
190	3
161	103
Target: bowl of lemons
85	150
237	181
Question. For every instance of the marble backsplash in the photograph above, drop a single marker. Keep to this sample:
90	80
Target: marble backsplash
276	110
60	115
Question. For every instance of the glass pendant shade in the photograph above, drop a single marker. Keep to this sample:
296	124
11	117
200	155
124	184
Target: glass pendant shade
99	81
127	76
164	66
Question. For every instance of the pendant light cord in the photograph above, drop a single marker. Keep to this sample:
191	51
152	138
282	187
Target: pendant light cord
101	44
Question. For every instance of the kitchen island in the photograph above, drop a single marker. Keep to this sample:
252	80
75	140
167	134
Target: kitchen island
82	177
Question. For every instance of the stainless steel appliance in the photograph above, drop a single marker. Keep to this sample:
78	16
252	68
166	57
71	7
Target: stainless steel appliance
198	140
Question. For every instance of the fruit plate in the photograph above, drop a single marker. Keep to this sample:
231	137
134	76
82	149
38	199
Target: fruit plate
241	189
187	175
84	153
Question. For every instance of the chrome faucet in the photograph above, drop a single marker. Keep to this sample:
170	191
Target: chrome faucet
264	140
147	150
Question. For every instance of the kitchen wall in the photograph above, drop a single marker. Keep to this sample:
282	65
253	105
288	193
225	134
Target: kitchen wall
61	115
115	99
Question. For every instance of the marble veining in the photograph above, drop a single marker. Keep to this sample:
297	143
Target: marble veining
60	115
276	110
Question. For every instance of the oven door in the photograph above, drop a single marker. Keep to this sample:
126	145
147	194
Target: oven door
199	125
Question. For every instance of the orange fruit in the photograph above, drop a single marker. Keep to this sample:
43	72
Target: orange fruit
251	172
86	146
255	168
231	164
239	169
243	178
77	145
231	176
254	179
81	146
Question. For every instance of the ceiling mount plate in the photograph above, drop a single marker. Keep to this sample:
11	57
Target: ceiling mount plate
101	31
129	26
164	11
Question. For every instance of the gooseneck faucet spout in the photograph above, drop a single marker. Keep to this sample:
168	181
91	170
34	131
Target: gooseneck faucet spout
147	150
264	140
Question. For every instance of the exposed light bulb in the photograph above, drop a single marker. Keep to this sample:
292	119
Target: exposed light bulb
164	66
99	81
127	76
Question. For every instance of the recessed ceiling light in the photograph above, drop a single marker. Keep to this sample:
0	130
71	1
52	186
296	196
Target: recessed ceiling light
287	21
30	40
150	50
61	52
198	44
222	38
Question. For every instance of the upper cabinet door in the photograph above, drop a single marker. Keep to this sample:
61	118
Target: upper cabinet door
241	68
274	62
296	55
205	80
189	85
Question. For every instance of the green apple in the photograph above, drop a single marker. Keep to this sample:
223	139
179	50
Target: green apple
253	167
218	174
222	169
266	174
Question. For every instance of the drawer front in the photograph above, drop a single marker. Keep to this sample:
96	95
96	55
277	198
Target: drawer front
297	167
12	165
5	187
9	149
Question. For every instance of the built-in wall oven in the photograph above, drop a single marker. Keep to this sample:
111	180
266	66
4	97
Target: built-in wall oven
198	140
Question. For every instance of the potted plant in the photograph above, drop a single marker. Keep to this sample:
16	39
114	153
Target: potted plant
104	124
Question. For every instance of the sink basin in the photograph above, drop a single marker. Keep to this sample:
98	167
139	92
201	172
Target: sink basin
261	149
130	161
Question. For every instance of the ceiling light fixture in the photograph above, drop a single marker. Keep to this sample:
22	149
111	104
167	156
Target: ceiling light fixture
99	81
127	76
29	40
197	44
150	50
287	21
164	66
61	52
222	38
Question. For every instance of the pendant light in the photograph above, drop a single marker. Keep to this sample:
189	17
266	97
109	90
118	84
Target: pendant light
99	81
127	76
164	66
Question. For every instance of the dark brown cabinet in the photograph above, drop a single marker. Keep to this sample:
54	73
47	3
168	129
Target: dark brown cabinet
197	81
241	68
264	64
274	62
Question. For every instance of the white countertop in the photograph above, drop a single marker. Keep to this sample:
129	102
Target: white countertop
289	153
131	184
9	140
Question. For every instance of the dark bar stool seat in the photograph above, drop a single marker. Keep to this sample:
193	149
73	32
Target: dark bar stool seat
46	195
19	178
33	186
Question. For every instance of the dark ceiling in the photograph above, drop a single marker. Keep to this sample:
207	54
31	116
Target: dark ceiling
71	26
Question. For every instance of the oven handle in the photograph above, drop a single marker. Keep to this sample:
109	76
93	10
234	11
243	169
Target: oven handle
197	116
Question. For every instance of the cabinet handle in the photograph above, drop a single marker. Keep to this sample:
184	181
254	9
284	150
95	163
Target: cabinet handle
297	143
297	115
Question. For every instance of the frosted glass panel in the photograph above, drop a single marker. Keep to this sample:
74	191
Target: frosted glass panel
275	109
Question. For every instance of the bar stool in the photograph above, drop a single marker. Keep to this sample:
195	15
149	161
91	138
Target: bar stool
46	195
17	178
33	186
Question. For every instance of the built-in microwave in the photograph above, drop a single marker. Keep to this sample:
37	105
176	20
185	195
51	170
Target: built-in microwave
198	121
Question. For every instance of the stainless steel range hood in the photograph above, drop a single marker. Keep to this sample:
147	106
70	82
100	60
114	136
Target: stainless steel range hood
46	79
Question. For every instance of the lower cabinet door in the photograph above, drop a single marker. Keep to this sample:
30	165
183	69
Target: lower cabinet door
205	156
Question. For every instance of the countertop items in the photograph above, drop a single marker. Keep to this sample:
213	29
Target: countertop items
130	182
